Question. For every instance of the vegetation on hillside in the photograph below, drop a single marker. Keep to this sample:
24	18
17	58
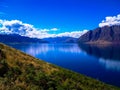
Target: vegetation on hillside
19	71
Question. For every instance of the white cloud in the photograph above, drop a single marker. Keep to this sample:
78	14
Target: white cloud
109	21
24	29
54	29
75	34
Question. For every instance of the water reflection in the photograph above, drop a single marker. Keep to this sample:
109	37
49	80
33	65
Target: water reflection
110	64
109	56
37	49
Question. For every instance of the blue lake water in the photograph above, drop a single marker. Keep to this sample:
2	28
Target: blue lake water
99	62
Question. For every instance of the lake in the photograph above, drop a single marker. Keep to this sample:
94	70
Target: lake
99	62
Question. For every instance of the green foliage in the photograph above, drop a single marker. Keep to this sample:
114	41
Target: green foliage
23	72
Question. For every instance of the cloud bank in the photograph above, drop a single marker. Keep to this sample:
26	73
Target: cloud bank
110	21
24	29
75	34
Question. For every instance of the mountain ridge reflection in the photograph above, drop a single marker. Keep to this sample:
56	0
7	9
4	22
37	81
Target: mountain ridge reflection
111	52
108	56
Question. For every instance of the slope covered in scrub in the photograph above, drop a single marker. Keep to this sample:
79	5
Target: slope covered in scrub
19	71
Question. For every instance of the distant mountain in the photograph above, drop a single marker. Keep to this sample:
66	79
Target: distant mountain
103	35
14	38
61	40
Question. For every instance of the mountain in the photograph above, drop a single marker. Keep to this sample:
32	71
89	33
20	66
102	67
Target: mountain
15	38
19	71
103	35
61	40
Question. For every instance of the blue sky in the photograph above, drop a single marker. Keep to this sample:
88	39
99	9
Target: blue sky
66	15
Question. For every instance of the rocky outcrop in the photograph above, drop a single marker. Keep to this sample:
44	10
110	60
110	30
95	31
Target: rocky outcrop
104	35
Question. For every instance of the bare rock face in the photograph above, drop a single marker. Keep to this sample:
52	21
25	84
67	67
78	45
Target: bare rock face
108	34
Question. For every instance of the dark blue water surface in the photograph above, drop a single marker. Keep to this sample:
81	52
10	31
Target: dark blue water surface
99	62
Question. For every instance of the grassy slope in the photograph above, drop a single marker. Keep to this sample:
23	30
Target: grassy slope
19	71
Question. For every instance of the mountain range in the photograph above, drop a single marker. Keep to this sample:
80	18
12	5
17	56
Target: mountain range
61	40
102	35
15	38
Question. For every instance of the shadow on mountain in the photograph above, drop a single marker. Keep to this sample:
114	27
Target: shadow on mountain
111	52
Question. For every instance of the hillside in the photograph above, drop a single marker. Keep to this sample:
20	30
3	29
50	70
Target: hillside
19	71
104	35
14	38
